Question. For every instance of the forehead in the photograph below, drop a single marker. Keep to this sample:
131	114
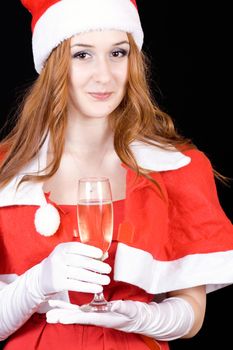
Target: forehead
106	37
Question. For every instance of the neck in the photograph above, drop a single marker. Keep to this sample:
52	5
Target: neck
90	134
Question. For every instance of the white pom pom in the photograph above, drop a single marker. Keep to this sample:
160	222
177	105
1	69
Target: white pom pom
47	220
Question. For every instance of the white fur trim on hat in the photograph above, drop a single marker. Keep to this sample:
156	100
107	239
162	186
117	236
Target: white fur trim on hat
69	17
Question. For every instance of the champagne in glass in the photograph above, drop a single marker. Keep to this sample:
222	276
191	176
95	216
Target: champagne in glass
95	223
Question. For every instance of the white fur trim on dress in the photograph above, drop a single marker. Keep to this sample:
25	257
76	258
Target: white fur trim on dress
28	193
31	193
213	270
47	220
153	157
69	17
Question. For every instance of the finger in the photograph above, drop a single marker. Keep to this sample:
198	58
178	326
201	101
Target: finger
70	317
87	263
55	303
63	316
74	317
127	308
116	305
84	249
104	256
78	273
53	316
84	287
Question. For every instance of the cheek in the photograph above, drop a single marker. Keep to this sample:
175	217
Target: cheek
78	78
123	75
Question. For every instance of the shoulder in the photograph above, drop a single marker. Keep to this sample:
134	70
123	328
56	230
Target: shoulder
199	166
198	158
194	179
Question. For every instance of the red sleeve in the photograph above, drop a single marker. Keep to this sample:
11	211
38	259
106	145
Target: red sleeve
197	222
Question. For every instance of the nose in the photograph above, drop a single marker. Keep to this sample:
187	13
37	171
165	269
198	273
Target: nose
102	73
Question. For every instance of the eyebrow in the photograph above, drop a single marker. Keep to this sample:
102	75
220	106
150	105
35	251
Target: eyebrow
91	46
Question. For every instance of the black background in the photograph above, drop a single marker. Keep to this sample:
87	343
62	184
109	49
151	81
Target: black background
189	46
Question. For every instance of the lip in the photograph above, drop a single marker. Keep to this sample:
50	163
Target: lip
100	95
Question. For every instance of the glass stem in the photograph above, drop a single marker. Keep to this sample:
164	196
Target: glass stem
99	299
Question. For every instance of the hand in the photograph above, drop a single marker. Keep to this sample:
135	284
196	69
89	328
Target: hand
168	320
75	267
71	266
123	315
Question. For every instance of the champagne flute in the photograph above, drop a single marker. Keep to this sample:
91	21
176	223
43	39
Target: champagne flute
95	223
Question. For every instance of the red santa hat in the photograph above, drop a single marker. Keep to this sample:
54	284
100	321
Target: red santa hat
56	20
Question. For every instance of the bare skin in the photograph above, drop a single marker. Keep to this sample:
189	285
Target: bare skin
82	158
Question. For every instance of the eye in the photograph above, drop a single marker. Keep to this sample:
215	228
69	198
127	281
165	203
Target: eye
81	55
119	53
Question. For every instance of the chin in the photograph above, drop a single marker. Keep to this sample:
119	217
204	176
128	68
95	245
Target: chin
101	113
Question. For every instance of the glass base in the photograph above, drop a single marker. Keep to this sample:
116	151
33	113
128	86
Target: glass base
96	308
98	304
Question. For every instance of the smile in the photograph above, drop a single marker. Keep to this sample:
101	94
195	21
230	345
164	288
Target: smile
100	95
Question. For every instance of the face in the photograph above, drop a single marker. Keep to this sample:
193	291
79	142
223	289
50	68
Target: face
98	73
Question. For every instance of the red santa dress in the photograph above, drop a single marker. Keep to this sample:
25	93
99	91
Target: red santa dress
166	237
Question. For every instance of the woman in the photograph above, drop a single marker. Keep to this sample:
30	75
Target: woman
90	113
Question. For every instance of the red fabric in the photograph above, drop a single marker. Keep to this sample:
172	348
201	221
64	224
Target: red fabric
197	222
36	334
186	219
134	2
37	8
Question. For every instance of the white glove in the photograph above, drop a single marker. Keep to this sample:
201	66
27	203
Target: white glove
168	320
19	300
74	266
71	266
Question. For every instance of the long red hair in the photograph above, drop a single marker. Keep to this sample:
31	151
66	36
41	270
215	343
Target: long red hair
44	109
